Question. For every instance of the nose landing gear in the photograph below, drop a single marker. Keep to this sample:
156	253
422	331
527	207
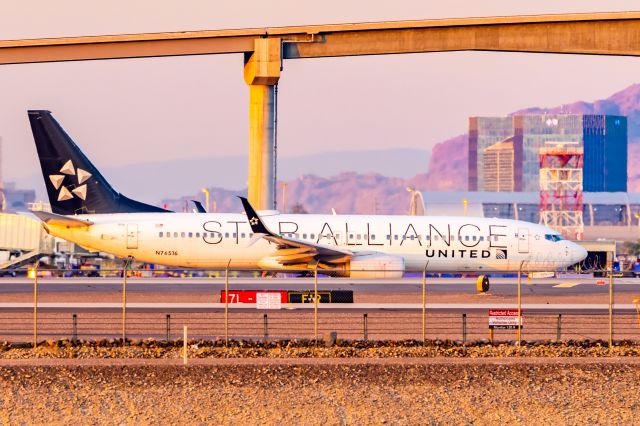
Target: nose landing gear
482	284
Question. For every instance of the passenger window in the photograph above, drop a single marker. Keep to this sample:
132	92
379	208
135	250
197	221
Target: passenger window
304	236
190	234
388	237
313	236
427	238
373	237
358	236
473	238
436	238
411	237
466	238
226	235
242	235
235	235
182	235
175	235
481	237
351	236
395	237
160	234
251	235
495	238
197	235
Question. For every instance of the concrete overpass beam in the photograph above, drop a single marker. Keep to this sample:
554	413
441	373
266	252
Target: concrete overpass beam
261	73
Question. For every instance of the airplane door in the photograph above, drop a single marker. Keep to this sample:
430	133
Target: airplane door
132	236
523	240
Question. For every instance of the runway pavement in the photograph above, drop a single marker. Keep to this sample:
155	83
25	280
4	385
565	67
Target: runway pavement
563	286
558	308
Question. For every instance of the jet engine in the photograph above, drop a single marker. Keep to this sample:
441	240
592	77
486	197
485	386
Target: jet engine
374	265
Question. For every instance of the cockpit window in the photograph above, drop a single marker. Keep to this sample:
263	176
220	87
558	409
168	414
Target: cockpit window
553	237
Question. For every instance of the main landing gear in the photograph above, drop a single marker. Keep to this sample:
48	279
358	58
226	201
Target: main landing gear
482	284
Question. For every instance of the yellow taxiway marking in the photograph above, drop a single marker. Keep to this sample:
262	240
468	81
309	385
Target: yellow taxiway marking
566	285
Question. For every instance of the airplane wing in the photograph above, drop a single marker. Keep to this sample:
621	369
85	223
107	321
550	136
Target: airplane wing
291	251
58	219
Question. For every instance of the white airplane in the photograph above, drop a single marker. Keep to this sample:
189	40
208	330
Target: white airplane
88	212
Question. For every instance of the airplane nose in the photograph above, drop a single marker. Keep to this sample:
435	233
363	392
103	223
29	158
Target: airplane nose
578	253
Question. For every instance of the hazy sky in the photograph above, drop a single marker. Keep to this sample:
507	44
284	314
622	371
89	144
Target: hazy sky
128	111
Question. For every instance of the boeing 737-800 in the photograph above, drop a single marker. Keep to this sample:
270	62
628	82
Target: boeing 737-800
89	212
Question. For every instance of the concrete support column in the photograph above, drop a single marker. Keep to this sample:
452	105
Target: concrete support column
261	73
261	146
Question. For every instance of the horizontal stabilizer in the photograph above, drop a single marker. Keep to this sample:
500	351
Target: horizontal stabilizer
199	207
60	220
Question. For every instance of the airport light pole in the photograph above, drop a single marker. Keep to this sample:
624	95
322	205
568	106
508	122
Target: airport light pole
206	199
315	302
519	331
284	199
35	304
424	303
127	262
226	304
611	302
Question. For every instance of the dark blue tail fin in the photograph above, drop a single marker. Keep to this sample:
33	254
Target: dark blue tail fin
74	185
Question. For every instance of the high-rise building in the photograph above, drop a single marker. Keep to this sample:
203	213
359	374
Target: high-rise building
484	132
17	199
497	168
603	138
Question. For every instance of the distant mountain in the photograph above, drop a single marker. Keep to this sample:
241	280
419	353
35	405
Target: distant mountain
449	171
449	160
347	193
351	182
152	182
625	102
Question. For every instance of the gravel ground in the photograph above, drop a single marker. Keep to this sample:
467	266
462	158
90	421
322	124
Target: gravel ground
152	349
314	391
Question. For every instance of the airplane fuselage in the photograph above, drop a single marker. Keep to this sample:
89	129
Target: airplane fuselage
208	240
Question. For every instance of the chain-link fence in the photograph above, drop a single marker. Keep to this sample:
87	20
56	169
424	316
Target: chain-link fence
137	305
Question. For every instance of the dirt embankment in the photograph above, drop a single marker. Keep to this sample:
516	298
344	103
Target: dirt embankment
205	349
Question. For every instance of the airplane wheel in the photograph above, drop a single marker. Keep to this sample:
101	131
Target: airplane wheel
482	284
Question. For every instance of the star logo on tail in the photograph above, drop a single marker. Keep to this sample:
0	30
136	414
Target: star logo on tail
76	188
253	221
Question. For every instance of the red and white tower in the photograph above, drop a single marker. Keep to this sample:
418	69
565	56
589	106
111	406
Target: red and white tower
561	168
